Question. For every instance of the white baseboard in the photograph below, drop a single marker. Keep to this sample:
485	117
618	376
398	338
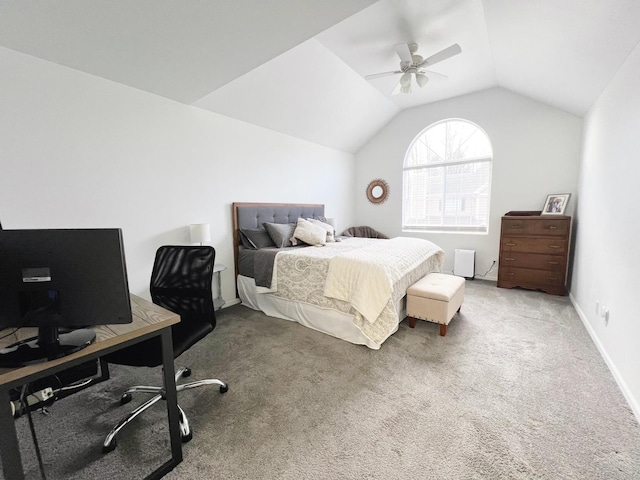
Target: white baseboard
631	400
231	303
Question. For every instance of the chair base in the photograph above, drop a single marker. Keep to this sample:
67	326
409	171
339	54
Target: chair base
186	434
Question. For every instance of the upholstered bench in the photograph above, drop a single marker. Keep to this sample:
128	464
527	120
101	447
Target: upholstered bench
435	298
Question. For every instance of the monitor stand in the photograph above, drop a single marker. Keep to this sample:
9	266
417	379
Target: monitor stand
50	343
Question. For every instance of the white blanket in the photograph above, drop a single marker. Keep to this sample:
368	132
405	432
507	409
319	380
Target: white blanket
365	277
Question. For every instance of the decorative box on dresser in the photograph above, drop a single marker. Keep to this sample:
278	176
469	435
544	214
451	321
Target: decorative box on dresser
534	251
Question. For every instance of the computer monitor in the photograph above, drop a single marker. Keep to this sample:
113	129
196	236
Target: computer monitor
60	281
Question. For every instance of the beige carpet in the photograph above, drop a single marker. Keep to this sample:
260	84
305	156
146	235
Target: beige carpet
516	390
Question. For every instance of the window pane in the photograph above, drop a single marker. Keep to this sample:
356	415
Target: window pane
450	141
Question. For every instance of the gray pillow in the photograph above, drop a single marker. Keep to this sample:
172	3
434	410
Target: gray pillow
255	238
280	233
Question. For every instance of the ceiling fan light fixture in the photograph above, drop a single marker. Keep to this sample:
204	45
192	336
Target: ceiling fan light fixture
405	79
421	79
411	64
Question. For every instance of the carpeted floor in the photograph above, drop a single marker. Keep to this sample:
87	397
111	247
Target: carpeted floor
516	390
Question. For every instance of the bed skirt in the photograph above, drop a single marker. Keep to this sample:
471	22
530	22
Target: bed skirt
332	322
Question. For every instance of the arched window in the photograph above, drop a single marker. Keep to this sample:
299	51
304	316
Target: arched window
447	179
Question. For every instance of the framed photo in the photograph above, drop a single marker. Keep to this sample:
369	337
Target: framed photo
556	204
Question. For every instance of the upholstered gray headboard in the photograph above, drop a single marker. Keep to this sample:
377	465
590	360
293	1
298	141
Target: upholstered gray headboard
253	215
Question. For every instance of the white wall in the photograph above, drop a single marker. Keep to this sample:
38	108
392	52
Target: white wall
607	257
536	152
80	151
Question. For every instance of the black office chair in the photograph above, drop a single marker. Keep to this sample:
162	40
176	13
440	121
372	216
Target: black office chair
180	282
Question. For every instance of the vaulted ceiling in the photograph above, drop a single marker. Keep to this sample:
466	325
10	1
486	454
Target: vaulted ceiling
299	66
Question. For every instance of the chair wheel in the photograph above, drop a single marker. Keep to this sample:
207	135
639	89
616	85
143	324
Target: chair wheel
110	447
187	438
224	388
186	373
125	398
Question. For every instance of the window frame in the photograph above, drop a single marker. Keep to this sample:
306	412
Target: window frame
443	198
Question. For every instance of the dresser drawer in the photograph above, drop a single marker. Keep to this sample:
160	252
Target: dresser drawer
531	276
554	263
535	226
548	245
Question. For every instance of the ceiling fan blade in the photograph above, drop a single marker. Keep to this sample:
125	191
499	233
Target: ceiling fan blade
442	55
402	49
431	73
383	74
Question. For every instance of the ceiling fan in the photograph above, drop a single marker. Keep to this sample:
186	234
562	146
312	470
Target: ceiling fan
413	65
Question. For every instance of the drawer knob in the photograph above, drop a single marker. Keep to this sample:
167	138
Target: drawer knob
554	263
510	244
554	246
552	227
511	274
509	259
516	226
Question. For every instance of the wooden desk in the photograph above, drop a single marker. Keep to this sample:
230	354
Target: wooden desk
149	320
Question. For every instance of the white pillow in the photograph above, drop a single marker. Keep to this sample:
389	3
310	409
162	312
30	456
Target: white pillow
309	233
326	226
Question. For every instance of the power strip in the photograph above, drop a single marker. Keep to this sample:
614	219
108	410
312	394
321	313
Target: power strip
33	399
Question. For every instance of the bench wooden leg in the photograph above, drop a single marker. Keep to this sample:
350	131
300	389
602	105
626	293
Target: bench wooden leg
443	330
412	322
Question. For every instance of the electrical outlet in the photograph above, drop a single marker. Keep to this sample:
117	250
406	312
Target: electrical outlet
604	313
44	395
597	307
33	399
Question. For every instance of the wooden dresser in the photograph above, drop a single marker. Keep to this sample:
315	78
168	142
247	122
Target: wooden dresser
533	251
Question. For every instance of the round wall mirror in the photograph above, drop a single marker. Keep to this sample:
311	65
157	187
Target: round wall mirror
377	191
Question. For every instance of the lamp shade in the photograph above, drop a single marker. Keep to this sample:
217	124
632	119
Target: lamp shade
200	232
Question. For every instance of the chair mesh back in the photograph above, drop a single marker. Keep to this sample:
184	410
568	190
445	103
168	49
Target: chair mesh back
183	267
181	282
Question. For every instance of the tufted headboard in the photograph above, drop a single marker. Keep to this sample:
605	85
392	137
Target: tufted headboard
253	215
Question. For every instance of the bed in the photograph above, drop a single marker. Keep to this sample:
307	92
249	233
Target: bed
353	289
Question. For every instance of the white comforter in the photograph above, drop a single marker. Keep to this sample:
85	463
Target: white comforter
365	277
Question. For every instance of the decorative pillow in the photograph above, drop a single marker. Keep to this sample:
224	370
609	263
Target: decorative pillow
280	233
328	228
255	238
309	233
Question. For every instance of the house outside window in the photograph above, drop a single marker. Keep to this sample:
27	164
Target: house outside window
447	179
